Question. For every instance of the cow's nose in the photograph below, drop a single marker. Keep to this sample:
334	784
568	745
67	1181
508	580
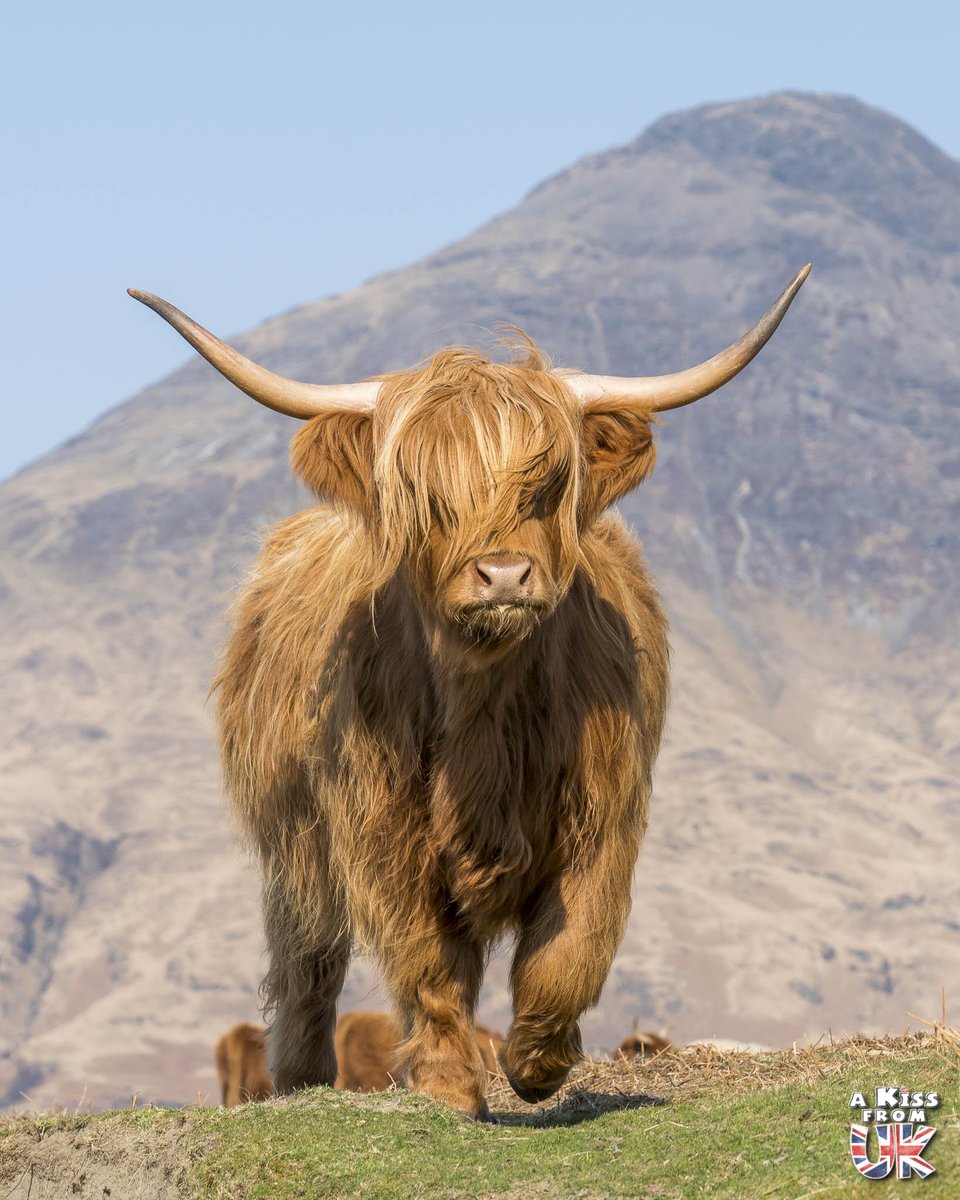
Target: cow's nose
503	578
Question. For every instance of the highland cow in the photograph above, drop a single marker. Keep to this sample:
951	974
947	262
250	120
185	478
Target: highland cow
443	696
367	1046
241	1061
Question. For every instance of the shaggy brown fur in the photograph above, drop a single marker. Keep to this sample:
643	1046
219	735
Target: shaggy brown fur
423	770
368	1043
241	1058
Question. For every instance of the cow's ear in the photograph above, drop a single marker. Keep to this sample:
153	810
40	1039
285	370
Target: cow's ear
333	455
617	439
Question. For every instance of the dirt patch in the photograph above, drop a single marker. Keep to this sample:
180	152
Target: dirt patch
102	1159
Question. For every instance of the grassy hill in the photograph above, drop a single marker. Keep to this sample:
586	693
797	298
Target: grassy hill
696	1122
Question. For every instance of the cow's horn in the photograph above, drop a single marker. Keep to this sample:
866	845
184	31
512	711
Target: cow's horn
662	392
303	400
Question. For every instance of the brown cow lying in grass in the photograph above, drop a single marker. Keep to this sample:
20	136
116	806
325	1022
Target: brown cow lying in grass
366	1045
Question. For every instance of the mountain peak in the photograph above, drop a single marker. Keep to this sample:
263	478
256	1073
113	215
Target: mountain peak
831	147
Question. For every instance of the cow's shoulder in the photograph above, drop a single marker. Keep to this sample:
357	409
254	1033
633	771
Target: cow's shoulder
317	542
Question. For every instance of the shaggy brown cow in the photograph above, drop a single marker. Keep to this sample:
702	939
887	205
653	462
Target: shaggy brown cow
367	1045
443	696
241	1058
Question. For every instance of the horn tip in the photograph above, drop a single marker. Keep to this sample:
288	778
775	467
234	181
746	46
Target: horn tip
155	302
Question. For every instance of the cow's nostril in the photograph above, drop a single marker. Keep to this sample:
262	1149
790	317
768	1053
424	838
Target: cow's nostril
503	578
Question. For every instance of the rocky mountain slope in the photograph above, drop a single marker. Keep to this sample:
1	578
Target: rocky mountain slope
800	871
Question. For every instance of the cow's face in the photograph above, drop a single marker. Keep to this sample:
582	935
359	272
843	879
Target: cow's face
479	480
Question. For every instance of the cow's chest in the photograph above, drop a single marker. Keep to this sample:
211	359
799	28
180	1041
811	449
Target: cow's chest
492	793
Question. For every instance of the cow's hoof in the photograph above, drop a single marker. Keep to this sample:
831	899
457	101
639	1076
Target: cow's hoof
465	1107
464	1099
532	1092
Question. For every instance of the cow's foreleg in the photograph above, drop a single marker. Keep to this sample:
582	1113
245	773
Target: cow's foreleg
562	959
435	981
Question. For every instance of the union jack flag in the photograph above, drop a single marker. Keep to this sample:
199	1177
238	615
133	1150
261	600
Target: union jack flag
900	1149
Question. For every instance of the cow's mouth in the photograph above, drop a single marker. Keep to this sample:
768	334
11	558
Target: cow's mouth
486	624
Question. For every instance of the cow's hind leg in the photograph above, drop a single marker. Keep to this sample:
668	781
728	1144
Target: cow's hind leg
435	981
561	962
307	970
300	1041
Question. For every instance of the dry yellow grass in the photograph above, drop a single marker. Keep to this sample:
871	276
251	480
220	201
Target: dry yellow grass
680	1073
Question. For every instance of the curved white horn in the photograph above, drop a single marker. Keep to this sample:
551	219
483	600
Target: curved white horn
663	392
303	400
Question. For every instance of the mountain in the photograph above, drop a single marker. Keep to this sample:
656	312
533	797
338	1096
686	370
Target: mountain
799	873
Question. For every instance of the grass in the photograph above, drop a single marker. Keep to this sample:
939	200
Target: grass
688	1124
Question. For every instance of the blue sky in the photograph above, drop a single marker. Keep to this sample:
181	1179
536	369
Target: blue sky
241	158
